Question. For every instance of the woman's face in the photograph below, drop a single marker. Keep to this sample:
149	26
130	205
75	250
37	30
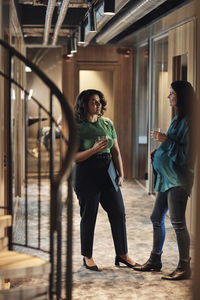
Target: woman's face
172	98
94	105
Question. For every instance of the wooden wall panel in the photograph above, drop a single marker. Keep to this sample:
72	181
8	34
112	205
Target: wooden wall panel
124	113
108	58
182	41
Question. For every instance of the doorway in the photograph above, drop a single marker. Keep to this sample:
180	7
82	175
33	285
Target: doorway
102	81
107	69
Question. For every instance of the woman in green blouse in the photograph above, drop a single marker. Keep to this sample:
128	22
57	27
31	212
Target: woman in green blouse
93	185
173	165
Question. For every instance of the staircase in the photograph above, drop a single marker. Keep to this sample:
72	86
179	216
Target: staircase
18	265
36	200
5	222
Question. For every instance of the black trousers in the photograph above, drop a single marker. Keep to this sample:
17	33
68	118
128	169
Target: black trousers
93	186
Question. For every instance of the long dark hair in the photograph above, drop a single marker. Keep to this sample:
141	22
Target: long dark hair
185	99
81	105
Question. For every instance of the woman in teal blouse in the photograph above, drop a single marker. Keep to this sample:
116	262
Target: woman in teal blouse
97	144
173	166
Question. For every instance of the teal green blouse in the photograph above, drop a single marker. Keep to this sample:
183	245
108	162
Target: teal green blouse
172	161
89	133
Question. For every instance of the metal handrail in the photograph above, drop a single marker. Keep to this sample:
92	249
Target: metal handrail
64	104
64	172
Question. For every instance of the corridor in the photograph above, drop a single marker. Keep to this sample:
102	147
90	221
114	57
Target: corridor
123	283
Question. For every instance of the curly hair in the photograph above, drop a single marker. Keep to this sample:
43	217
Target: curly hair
81	105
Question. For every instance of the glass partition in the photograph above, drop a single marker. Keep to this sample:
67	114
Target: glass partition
160	85
160	110
141	116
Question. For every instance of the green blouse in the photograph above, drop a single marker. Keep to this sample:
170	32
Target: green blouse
89	133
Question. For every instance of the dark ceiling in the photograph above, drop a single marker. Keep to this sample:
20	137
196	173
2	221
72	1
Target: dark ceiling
33	14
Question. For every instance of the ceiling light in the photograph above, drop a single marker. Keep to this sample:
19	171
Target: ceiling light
69	53
73	42
109	7
13	97
22	95
28	69
81	34
30	94
92	22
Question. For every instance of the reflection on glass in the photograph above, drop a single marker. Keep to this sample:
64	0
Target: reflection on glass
160	111
184	66
180	67
142	115
160	85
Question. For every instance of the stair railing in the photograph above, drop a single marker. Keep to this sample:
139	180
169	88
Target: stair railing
60	282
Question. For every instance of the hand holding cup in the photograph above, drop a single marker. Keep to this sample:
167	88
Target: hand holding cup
157	135
101	143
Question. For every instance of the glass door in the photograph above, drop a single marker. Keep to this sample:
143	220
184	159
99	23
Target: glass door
160	111
141	116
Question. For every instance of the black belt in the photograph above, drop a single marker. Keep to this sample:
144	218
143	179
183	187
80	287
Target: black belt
101	155
98	158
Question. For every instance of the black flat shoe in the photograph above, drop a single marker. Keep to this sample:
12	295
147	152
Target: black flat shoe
92	268
119	259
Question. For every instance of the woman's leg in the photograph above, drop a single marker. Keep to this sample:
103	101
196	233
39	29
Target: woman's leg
89	202
112	203
158	221
177	202
88	194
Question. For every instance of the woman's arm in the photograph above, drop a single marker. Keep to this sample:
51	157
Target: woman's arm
117	159
97	147
177	144
151	154
158	136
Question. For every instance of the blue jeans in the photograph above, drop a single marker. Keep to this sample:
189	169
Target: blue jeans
175	199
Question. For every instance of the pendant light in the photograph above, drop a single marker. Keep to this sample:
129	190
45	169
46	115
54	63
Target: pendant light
109	7
92	22
81	33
